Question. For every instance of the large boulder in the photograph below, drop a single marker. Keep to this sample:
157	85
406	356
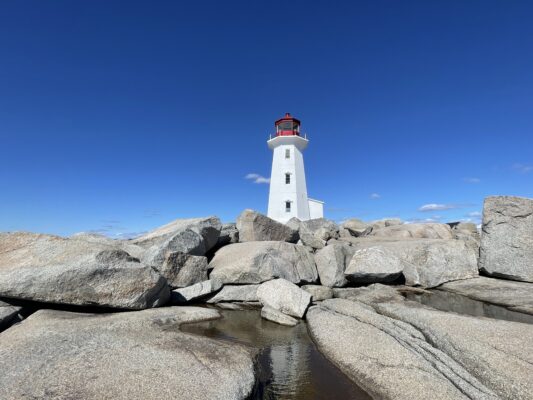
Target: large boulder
331	261
355	226
507	238
417	231
395	349
322	228
284	296
52	269
256	262
237	293
182	270
430	262
374	264
194	236
133	355
253	226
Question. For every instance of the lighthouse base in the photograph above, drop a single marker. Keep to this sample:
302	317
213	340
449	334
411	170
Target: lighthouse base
316	209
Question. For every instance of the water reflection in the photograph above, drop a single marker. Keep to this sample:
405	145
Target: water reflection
447	301
289	365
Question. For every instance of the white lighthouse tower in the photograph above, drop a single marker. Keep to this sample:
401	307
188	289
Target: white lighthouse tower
288	190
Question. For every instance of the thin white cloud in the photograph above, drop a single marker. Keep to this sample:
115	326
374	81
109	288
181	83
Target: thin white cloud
437	207
256	178
523	168
472	180
375	196
474	214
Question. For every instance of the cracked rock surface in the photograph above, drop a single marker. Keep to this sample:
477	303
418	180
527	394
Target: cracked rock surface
401	349
130	355
507	238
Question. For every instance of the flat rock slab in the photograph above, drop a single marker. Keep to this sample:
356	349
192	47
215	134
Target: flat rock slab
318	292
235	293
403	350
516	296
194	292
76	271
277	316
256	262
134	355
507	238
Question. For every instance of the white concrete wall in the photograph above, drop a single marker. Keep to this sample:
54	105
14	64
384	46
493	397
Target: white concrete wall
316	209
296	190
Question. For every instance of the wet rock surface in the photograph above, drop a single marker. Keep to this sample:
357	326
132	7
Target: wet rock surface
401	349
289	366
516	296
134	355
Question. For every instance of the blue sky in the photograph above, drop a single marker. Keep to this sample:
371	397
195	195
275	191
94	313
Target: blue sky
121	116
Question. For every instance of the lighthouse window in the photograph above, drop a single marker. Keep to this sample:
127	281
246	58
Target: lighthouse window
287	206
287	179
287	153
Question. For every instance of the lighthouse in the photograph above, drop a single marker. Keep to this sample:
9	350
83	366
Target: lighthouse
288	189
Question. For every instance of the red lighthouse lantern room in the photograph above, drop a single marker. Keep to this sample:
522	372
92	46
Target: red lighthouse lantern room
287	126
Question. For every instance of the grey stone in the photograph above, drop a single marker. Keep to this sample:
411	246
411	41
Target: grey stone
254	226
516	296
235	293
228	234
382	223
308	239
507	238
318	292
388	357
194	292
321	228
294	223
284	296
355	226
182	270
277	316
194	236
417	231
256	262
497	353
52	269
8	314
374	264
430	262
376	293
331	261
134	355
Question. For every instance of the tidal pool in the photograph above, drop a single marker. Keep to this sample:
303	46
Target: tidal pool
289	365
447	301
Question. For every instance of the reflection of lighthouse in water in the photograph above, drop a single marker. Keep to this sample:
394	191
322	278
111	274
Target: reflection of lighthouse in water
288	188
288	363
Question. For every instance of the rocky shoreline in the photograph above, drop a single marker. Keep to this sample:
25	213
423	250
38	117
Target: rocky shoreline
345	281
